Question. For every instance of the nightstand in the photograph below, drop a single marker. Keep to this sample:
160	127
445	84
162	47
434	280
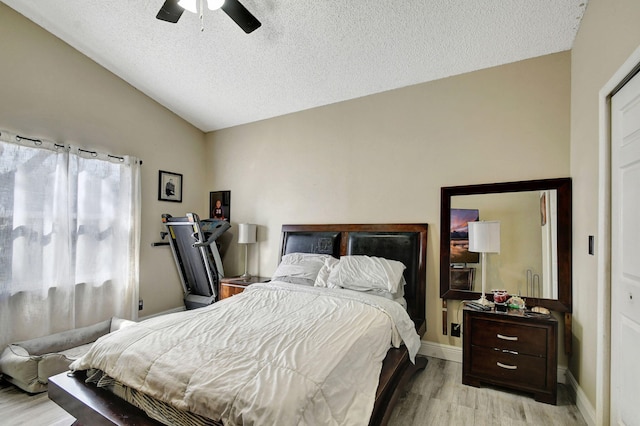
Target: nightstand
511	350
234	285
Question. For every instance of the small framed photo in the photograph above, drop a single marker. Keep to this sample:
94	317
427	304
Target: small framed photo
169	186
462	278
220	205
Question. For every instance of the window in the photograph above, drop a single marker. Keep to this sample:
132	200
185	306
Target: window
69	237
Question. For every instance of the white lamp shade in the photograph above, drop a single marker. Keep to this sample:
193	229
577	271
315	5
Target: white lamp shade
246	233
484	237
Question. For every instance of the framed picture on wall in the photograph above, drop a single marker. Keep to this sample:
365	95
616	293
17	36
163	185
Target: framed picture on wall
459	235
169	186
220	205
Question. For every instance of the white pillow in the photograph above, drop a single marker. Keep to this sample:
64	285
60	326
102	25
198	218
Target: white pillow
300	268
400	292
322	280
398	296
364	273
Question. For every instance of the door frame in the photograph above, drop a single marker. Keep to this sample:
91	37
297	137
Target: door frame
603	339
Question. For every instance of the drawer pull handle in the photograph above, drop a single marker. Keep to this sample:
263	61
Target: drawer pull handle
508	367
512	338
507	351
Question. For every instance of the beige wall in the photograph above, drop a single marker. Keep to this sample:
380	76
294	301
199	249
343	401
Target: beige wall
383	158
50	90
608	34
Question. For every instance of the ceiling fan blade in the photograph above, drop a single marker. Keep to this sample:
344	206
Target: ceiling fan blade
170	11
241	16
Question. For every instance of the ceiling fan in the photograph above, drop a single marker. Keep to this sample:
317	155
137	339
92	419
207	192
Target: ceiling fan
172	10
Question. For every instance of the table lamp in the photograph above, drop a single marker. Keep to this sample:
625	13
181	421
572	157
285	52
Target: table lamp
484	237
246	236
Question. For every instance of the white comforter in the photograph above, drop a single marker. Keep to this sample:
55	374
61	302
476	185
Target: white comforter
278	354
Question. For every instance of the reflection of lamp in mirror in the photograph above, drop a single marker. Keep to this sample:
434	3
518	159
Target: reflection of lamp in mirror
246	236
484	237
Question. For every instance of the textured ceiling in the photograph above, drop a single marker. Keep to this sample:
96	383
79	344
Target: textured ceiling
307	53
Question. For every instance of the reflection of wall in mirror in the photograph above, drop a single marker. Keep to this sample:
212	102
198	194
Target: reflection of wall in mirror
521	238
549	235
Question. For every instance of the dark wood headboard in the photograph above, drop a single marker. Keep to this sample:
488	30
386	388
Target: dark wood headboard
406	243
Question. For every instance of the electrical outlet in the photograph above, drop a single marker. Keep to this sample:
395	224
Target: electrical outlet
455	330
140	304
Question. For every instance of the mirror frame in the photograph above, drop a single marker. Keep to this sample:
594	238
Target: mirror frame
563	188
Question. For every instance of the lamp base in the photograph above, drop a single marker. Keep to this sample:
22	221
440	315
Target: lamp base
246	276
484	301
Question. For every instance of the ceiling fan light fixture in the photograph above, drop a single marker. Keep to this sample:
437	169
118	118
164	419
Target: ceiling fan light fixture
215	4
171	11
190	5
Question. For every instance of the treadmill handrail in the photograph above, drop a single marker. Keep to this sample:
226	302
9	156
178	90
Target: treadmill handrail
221	228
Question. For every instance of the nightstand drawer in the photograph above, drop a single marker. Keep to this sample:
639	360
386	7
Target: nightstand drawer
508	367
524	339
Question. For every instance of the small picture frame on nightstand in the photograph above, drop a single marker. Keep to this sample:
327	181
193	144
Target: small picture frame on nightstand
462	278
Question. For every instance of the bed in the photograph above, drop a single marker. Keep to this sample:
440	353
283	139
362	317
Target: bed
405	243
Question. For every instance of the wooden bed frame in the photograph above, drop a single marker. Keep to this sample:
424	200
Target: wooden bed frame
404	242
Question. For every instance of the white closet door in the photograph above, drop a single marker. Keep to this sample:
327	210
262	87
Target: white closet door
625	255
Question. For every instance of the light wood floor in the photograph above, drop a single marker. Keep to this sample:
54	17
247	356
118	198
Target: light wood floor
20	408
436	396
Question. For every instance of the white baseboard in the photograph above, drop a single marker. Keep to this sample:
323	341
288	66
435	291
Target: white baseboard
441	351
582	402
170	311
454	353
562	374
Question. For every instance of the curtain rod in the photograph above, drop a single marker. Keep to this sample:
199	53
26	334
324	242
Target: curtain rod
38	142
35	141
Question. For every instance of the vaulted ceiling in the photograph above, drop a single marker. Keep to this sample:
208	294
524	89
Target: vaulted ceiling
307	53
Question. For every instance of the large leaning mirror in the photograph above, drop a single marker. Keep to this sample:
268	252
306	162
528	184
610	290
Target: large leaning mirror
535	256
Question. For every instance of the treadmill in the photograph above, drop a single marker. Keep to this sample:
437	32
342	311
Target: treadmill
197	255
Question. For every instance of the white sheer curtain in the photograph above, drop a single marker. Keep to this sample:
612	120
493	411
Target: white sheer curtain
69	237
